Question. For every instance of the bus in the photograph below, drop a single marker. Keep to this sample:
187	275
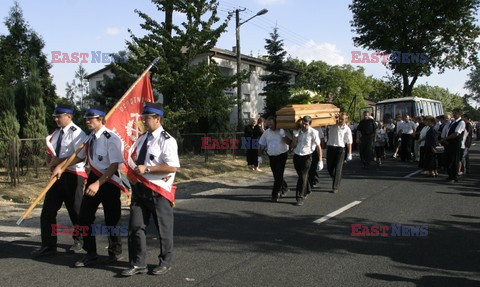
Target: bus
413	106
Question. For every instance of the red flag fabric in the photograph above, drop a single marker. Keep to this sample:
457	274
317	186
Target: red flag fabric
125	120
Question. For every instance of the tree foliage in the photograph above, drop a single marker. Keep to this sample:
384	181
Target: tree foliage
18	49
276	90
191	84
445	31
9	126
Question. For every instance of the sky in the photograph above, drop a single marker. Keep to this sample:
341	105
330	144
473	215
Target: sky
310	29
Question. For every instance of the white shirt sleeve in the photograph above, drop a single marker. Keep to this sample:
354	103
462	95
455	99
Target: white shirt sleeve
115	150
170	153
348	137
460	127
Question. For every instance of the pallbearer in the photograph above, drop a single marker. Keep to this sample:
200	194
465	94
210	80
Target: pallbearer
69	189
152	163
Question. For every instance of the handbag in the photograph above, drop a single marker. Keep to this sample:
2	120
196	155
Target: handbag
439	149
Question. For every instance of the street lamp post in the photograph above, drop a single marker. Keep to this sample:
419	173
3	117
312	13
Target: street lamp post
239	61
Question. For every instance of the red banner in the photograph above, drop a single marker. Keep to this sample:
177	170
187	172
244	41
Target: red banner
125	119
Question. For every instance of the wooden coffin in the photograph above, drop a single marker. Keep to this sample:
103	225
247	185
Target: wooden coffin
322	115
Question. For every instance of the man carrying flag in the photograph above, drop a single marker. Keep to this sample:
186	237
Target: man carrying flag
104	152
69	190
152	163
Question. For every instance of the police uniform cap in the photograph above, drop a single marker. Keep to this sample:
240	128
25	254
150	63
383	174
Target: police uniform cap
152	109
62	109
94	112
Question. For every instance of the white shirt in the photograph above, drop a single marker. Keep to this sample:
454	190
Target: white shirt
162	148
407	127
390	127
399	124
339	136
423	134
107	149
307	142
72	138
460	127
273	142
445	129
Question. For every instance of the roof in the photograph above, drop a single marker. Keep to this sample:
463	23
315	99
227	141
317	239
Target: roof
223	52
231	54
106	68
407	99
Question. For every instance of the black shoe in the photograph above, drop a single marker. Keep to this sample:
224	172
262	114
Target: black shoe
274	199
299	202
284	191
113	259
43	251
76	247
134	270
87	260
159	270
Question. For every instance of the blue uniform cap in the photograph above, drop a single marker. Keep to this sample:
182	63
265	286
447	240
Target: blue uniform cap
94	113
61	110
151	109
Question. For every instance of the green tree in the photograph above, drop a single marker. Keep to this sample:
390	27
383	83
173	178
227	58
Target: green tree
449	100
34	121
445	31
9	126
18	49
192	88
277	86
473	84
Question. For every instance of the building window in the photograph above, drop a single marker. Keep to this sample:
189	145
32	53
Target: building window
246	98
252	68
97	84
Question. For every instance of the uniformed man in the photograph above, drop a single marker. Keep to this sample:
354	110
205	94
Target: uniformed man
305	141
69	189
104	153
339	137
152	163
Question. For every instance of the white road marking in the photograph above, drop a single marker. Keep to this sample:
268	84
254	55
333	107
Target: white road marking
336	212
414	173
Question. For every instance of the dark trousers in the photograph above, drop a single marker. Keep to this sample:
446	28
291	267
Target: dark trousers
109	196
313	177
452	159
302	165
69	190
421	160
406	147
146	203
391	137
277	165
366	149
335	156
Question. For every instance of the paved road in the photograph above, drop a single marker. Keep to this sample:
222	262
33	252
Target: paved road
232	235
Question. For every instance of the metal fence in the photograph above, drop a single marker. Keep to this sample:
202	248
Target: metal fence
22	161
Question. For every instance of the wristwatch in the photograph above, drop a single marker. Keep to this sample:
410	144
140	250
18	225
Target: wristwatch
147	170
